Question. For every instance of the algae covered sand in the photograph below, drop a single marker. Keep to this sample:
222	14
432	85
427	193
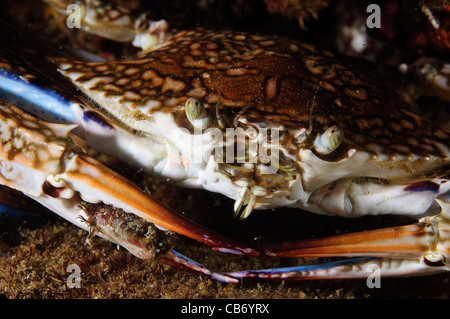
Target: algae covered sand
37	256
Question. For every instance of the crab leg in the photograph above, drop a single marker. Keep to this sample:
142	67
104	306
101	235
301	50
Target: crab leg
352	268
139	237
417	249
122	193
404	240
40	159
115	22
143	239
176	259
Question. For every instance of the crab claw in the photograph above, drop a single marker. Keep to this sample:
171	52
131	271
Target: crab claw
42	161
87	175
176	259
418	249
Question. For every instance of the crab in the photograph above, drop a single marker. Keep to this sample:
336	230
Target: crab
264	120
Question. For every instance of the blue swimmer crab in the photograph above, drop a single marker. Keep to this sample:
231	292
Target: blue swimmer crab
264	120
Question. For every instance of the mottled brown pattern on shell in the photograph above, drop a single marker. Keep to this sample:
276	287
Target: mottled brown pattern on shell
269	75
23	138
108	12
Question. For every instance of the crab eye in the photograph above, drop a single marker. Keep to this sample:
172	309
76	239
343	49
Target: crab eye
329	140
197	113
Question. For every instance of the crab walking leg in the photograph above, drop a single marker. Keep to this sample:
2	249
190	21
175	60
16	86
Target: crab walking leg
418	249
352	268
176	259
40	159
140	237
428	235
111	21
83	174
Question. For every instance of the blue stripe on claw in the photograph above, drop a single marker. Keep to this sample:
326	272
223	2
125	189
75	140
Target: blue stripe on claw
41	102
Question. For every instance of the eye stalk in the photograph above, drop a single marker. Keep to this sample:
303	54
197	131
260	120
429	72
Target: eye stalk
197	113
329	140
